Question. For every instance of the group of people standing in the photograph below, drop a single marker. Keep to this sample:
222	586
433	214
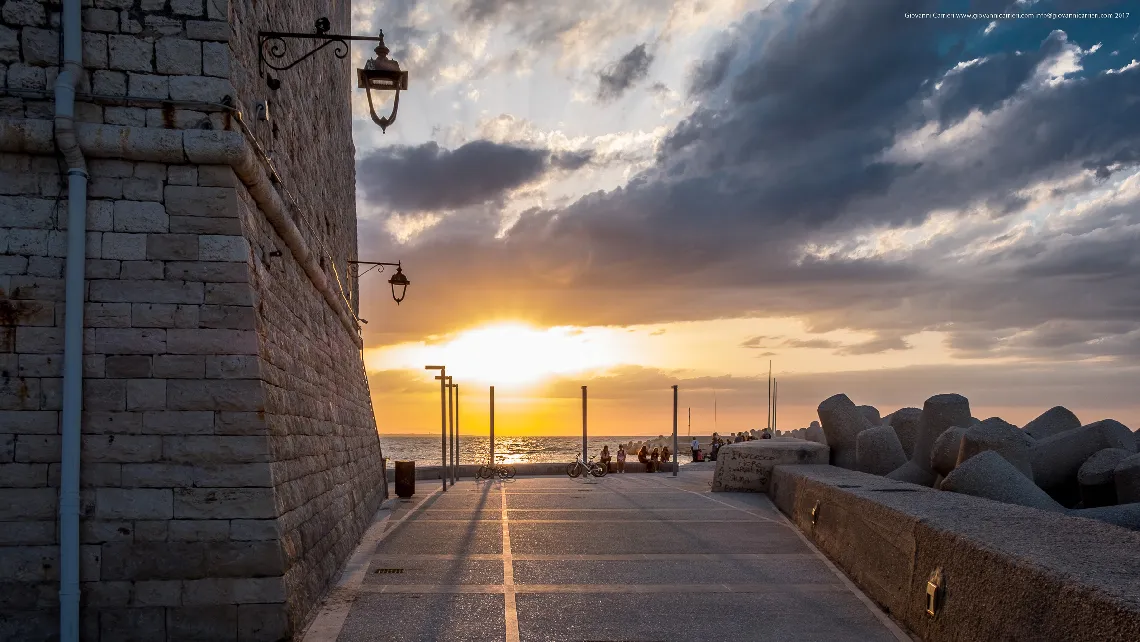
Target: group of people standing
651	458
718	442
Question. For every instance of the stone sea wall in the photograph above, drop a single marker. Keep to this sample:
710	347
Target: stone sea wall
229	452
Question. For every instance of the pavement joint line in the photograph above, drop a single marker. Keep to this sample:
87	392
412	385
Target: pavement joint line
329	622
883	618
578	521
510	607
613	557
583	589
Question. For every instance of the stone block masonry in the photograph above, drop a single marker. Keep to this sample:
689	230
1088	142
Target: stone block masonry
230	459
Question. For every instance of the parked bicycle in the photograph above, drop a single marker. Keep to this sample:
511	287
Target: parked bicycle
592	468
492	471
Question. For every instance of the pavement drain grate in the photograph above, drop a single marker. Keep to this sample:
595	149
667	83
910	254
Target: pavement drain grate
389	570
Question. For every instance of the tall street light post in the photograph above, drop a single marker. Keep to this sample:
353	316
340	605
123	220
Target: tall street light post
442	379
449	467
674	431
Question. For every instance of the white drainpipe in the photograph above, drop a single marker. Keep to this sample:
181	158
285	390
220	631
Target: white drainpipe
73	321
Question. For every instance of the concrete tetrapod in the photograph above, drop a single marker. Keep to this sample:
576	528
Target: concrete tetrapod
814	432
991	476
938	413
1055	420
944	456
878	451
842	421
1126	476
1001	437
1097	477
872	414
1122	515
905	422
1057	459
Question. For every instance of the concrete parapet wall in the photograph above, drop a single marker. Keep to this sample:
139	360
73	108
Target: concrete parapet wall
1008	572
747	466
526	470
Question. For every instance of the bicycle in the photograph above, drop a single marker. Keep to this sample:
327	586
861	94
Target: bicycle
579	468
491	471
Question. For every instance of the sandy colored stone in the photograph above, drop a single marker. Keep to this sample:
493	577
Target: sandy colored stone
938	413
991	476
944	456
1054	420
842	421
878	451
1001	437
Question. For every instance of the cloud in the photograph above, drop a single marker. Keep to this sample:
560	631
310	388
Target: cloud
620	76
429	178
708	74
915	175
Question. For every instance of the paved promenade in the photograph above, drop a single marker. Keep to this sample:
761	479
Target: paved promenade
635	557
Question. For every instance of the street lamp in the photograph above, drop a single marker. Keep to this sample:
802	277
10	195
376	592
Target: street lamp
380	73
399	280
399	284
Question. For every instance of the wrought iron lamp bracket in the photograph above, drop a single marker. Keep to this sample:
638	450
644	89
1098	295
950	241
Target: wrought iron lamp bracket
273	48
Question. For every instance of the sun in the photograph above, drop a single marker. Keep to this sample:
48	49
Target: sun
510	353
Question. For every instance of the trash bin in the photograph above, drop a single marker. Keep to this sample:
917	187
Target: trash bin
405	479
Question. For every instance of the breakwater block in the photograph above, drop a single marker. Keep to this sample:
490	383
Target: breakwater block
747	466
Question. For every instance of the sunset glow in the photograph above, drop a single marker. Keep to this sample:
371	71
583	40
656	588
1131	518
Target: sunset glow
510	353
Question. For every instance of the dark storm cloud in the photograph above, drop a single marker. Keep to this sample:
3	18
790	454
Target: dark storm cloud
794	146
428	177
708	74
621	75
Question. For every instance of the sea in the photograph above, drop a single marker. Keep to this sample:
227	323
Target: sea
426	450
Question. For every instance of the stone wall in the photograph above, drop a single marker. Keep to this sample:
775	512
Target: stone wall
229	451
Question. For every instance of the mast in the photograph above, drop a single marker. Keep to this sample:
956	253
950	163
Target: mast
769	394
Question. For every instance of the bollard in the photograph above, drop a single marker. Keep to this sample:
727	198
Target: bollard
405	479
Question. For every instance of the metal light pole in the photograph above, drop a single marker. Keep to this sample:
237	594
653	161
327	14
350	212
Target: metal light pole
674	431
585	454
442	378
492	462
449	466
456	477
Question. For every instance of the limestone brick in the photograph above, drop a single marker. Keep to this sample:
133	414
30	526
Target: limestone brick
101	20
128	53
170	366
200	88
233	591
123	246
148	86
133	503
172	247
211	341
166	422
224	503
156	593
9	45
146	394
222	248
212	394
40	46
178	56
24	76
24	12
95	51
215	449
147	270
183	175
139	216
208	30
216	59
142	189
